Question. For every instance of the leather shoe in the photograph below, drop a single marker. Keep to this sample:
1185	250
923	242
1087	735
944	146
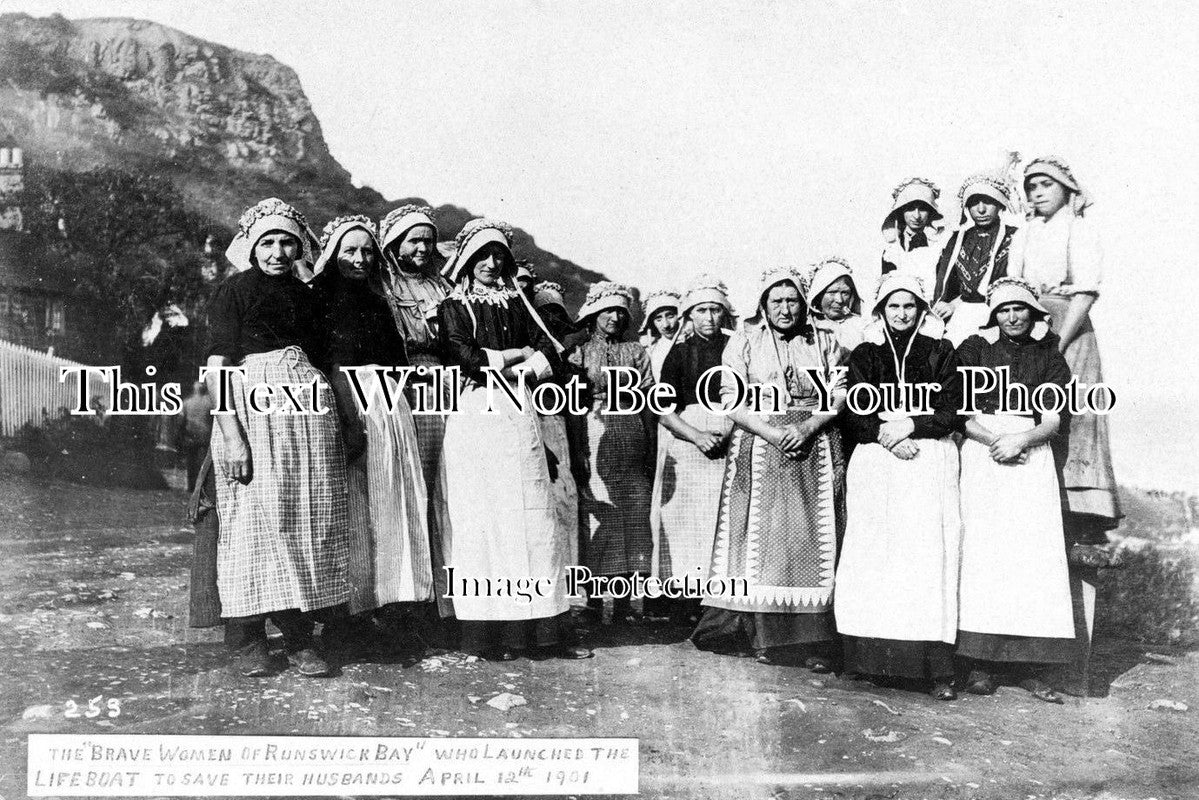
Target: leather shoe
1041	690
254	661
980	682
942	691
498	654
309	662
819	665
568	652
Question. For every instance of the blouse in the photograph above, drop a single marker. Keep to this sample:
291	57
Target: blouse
253	312
929	360
414	300
964	278
686	363
474	327
1031	361
1061	255
597	353
759	354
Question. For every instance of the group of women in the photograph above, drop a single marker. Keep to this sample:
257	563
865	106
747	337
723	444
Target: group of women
884	544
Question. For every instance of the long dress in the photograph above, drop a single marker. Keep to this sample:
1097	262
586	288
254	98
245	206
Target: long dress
389	545
614	506
284	536
687	483
897	582
414	299
779	522
1062	257
501	508
973	258
1015	588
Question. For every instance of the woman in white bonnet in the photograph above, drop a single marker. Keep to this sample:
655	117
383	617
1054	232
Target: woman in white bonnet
281	478
909	234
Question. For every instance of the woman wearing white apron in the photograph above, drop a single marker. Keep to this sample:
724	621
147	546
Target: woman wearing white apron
1015	591
909	235
975	255
897	581
390	571
692	442
502	525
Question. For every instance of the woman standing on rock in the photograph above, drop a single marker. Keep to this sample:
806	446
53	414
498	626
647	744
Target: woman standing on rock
897	582
616	450
1016	613
390	570
779	517
281	479
503	526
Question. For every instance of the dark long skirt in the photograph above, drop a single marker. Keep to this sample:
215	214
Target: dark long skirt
723	631
479	636
897	658
1015	649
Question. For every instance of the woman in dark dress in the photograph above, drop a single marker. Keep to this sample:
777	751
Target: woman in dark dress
897	580
502	522
390	569
1016	614
280	477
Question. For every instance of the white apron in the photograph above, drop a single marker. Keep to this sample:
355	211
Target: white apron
1014	574
898	574
966	320
389	530
501	510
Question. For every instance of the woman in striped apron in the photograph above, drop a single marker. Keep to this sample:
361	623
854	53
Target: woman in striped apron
281	476
390	571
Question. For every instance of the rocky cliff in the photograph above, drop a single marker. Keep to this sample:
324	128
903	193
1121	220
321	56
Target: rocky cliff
227	127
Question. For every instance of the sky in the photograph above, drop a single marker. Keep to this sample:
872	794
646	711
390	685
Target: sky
655	141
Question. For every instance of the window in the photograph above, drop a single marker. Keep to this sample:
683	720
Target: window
55	318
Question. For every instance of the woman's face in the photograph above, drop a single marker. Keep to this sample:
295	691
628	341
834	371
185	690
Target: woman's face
416	248
276	252
612	322
983	210
706	317
356	255
916	216
488	265
901	311
1046	195
782	306
1015	319
837	300
665	321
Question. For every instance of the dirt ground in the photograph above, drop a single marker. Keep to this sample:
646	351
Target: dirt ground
93	602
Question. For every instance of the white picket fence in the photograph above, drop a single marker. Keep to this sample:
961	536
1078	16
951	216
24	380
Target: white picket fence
30	389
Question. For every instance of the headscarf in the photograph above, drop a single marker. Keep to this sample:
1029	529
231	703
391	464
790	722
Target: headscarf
654	302
913	190
604	295
397	223
1059	170
1013	290
271	214
771	278
548	293
705	288
824	274
987	186
330	243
